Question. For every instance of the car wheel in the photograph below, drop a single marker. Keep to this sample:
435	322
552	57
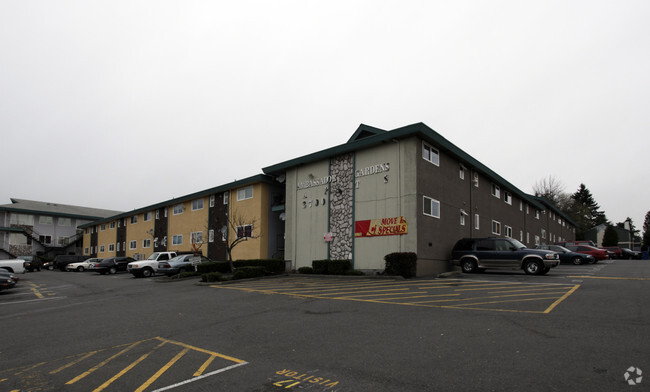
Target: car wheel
112	270
576	260
468	265
80	269
147	272
533	267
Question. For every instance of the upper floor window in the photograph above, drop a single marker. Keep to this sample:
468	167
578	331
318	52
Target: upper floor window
226	197
245	193
45	220
245	231
496	227
496	191
507	197
112	225
430	154
197	204
147	216
212	201
178	209
134	219
64	222
475	179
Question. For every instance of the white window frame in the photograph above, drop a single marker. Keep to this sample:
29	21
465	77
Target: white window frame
211	235
111	247
197	204
430	154
477	220
226	197
196	237
430	203
111	225
133	244
243	194
463	218
461	173
177	239
64	222
102	249
211	200
507	197
178	209
45	220
496	191
134	219
496	227
147	216
243	227
508	231
146	243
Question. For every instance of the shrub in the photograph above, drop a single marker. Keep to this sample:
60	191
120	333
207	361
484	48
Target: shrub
402	264
305	270
248	272
339	267
355	273
211	277
273	266
320	266
219	266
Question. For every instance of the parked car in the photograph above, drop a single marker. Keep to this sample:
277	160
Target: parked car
568	256
148	267
180	264
32	263
112	265
477	254
62	261
9	275
630	254
575	243
6	283
599	254
82	265
614	252
16	266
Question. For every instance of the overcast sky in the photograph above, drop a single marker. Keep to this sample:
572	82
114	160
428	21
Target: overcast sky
123	104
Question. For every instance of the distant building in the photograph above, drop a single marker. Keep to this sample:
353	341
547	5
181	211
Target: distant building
40	228
625	238
250	208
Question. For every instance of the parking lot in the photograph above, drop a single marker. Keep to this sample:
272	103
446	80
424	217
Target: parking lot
579	327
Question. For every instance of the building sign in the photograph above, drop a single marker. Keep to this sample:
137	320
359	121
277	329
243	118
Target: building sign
380	227
374	169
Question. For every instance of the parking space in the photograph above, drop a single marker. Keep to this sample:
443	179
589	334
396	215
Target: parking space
137	366
469	294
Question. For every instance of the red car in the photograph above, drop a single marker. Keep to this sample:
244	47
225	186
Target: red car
599	254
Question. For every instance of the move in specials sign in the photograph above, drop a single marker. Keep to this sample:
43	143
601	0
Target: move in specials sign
379	227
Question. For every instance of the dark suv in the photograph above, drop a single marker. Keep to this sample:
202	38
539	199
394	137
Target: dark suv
477	254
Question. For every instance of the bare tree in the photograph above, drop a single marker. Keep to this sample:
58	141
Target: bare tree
243	228
553	189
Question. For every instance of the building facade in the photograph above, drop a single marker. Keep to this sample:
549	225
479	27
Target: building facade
405	190
30	227
201	222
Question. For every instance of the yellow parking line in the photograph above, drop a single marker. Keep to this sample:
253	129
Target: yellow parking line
525	290
90	354
94	368
162	370
126	369
232	359
204	366
562	298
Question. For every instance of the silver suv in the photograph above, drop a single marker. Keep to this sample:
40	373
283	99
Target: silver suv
478	254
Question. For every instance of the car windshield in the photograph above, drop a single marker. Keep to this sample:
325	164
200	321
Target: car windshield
153	256
516	243
177	258
558	248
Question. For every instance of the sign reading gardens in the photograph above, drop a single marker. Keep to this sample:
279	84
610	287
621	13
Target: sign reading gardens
366	171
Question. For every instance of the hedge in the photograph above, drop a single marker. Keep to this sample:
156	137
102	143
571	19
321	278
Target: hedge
402	264
272	266
248	272
331	267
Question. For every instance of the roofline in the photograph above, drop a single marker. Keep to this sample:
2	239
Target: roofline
418	129
221	188
49	213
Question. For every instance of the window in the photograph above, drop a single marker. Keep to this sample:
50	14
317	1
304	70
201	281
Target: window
147	216
496	227
62	241
430	154
536	214
118	247
102	227
178	209
543	233
157	214
508	231
211	236
134	219
112	225
45	220
197	237
212	201
496	191
475	179
146	243
165	212
86	251
177	239
197	204
477	226
245	193
537	240
118	223
45	239
521	205
87	231
102	249
64	222
521	235
245	231
461	173
507	197
22	219
133	244
463	214
226	197
431	207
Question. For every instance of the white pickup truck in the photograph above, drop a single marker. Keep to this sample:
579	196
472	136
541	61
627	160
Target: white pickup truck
148	267
17	266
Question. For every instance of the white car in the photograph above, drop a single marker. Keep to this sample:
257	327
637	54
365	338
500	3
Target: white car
17	266
82	265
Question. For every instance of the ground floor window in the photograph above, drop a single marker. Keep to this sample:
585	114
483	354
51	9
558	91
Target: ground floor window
244	231
177	239
431	207
496	227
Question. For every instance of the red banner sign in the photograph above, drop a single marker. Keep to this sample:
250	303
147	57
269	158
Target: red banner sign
380	227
